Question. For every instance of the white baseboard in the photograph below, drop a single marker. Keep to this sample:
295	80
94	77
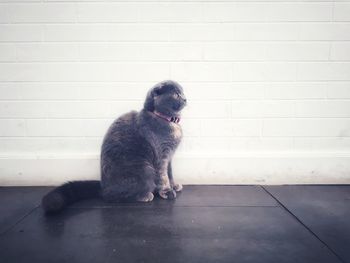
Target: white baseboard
243	168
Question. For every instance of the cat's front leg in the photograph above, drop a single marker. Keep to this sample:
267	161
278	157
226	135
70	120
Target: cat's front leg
174	186
164	186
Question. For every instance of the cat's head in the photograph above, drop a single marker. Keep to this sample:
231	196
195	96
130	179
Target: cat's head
166	97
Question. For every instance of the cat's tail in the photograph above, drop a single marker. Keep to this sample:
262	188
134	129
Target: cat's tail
68	193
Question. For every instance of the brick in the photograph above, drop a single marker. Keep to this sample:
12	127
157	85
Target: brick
231	128
323	71
48	90
324	31
340	51
10	127
338	90
23	109
5	16
234	145
107	12
300	11
169	12
224	91
141	12
201	71
298	51
110	52
43	12
306	127
143	51
67	127
197	145
113	91
79	109
9	91
322	144
21	32
197	32
289	11
102	71
46	52
21	72
266	31
105	32
262	108
7	53
319	109
208	109
171	51
341	11
250	71
232	51
44	145
261	144
22	145
295	90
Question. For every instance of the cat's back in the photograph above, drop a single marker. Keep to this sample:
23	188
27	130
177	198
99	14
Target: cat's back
123	127
123	139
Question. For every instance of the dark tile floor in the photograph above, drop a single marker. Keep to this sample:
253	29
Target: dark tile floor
204	224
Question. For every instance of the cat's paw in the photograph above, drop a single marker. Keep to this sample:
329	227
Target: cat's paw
178	187
167	194
147	198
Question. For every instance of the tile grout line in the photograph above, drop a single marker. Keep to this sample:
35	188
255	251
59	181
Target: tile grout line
19	220
305	226
162	206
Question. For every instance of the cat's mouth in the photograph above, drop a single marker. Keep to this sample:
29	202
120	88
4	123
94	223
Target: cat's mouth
174	119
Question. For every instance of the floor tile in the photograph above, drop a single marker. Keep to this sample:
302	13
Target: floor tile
324	209
163	234
16	202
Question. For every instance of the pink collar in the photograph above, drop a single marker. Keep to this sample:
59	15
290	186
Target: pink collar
167	118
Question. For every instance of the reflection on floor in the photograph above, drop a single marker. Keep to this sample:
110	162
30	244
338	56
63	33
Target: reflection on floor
204	224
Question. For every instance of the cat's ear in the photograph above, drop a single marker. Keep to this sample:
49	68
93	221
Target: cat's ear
157	91
149	102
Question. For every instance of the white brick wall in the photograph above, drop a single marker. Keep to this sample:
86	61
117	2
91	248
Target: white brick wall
268	85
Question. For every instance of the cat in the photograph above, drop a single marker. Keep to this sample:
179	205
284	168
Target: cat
136	154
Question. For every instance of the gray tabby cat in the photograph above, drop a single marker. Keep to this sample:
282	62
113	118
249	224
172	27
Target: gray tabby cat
136	154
